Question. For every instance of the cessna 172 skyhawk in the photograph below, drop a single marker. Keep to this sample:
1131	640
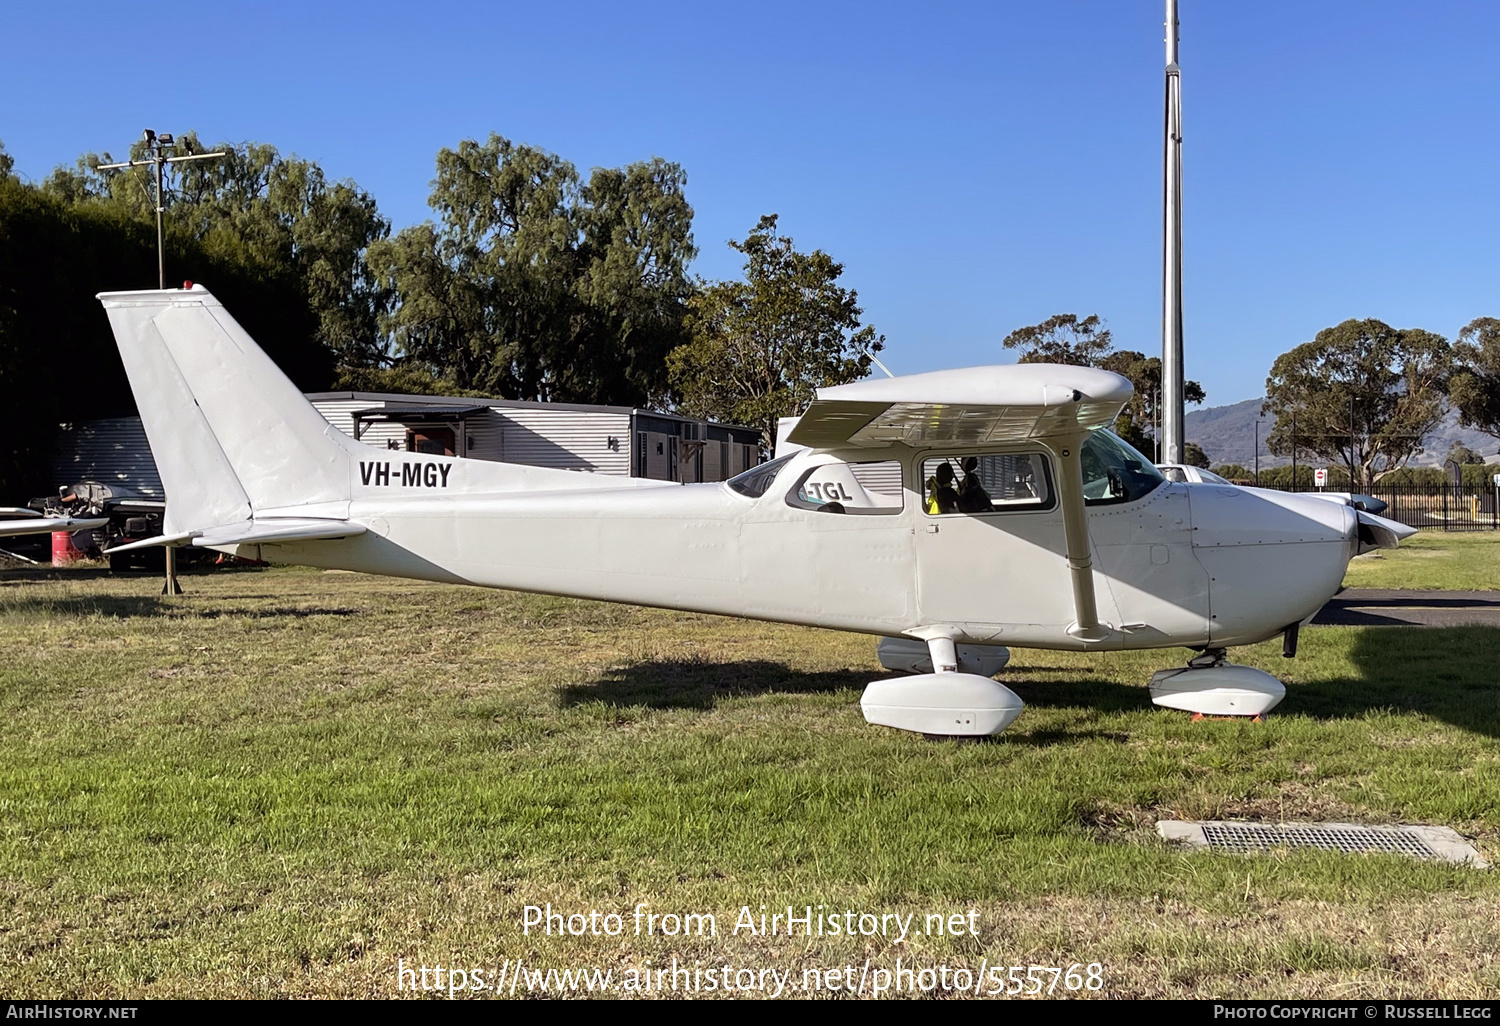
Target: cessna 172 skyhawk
951	513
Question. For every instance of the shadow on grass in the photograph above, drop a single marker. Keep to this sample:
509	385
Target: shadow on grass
119	607
268	613
1078	693
99	572
700	685
128	606
1449	673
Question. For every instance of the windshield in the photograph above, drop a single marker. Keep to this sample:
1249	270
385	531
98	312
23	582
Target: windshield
1114	472
756	480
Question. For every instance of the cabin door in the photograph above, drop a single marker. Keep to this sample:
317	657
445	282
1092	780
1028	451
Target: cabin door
990	546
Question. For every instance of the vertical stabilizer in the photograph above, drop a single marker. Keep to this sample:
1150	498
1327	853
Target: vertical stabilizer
230	432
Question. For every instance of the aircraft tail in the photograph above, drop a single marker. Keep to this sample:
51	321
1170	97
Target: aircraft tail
232	436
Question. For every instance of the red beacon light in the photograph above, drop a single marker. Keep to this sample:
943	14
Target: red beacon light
187	285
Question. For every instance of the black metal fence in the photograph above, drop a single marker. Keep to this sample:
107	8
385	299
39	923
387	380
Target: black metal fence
1446	507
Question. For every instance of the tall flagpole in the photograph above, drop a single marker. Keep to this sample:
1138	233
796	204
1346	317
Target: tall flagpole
1171	441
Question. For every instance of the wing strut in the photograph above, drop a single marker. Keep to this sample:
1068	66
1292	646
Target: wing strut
1068	451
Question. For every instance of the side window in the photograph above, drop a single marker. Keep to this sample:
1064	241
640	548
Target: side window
754	482
992	483
860	488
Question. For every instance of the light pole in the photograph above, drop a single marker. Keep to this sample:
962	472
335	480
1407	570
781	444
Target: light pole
1172	385
1352	460
1294	450
158	146
1258	419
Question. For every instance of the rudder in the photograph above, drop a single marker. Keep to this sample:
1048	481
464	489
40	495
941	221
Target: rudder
231	434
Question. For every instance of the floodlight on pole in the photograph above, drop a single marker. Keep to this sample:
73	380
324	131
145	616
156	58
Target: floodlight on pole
157	145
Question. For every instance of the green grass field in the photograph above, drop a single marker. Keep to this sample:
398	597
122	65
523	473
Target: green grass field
1452	560
287	780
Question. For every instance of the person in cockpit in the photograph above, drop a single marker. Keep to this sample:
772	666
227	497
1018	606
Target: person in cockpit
972	498
942	497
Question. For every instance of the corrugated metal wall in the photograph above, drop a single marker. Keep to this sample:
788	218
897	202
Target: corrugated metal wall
339	413
112	451
567	439
563	439
883	477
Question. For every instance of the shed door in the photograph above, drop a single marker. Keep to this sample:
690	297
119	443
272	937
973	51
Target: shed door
658	447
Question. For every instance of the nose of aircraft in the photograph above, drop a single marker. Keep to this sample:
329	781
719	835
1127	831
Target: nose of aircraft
1273	558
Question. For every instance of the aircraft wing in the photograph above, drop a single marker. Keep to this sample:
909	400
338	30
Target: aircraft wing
34	524
960	408
982	406
253	532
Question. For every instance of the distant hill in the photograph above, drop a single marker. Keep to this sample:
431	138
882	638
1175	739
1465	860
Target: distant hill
1227	435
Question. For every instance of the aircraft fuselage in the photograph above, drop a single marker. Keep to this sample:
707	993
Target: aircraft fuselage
1193	565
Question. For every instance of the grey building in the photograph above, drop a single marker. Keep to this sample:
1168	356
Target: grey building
598	439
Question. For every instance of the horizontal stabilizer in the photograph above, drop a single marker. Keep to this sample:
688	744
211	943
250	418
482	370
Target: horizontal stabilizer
257	532
46	525
976	406
254	532
184	538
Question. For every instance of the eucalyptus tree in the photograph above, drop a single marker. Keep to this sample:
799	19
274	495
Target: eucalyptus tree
761	347
1474	389
1087	342
536	284
270	214
1361	393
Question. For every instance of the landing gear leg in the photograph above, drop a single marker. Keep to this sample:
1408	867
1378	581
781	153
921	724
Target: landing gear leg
1207	658
171	587
944	655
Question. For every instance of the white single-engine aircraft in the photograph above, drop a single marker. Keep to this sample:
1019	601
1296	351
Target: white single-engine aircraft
952	514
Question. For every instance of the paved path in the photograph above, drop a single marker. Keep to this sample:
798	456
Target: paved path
1400	607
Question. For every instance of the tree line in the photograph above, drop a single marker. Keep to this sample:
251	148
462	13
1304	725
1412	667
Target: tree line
1361	395
531	282
535	282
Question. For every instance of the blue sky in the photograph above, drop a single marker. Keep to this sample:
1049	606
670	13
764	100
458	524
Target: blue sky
975	167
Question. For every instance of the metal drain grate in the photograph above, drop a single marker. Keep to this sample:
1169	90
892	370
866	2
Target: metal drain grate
1351	840
1416	841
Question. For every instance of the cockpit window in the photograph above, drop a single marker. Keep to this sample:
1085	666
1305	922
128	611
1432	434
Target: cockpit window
983	483
872	488
754	482
1113	472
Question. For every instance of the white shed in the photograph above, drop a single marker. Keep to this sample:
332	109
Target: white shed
598	439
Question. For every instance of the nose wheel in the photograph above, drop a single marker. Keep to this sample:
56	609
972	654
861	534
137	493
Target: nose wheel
1209	687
